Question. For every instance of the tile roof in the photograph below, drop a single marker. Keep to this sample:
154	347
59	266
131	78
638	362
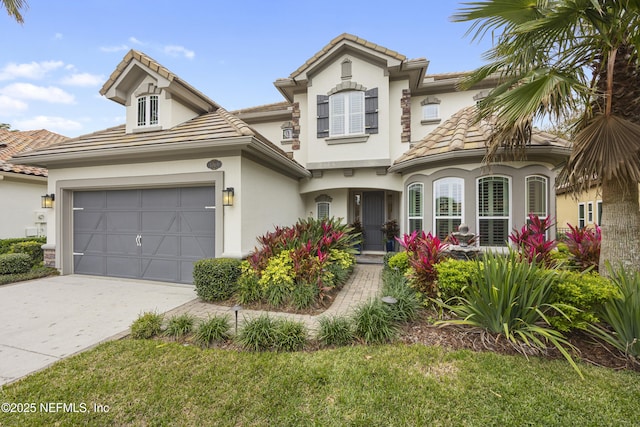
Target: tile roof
13	143
219	124
350	37
461	132
276	106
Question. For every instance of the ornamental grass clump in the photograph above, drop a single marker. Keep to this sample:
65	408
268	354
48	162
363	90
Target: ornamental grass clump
620	314
373	323
214	329
147	325
511	298
180	326
335	331
408	302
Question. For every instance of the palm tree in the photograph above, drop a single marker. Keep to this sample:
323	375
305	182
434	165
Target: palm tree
556	57
14	7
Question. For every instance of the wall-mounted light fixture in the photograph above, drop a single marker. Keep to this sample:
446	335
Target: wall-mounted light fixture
47	201
227	197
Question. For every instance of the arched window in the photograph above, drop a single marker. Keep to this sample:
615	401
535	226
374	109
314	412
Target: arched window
447	205
537	195
416	207
148	110
494	210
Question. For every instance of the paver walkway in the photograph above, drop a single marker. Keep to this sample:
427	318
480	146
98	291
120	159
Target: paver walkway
364	284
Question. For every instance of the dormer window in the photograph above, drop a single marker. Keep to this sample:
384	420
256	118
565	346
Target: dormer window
346	112
148	110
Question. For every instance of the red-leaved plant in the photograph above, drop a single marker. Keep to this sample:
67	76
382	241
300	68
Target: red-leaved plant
584	246
424	251
532	243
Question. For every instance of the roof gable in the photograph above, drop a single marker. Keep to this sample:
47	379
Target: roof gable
132	70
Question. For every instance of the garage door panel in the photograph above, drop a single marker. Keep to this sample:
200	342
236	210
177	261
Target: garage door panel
123	221
89	221
186	272
121	244
198	222
90	264
89	242
93	199
162	246
166	222
161	269
197	247
122	199
120	266
161	198
195	197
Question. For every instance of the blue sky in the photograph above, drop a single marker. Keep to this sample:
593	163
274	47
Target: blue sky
52	66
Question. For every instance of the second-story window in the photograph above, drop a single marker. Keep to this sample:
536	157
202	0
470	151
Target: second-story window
148	110
346	113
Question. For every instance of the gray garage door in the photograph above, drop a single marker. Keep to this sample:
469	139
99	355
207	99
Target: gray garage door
153	234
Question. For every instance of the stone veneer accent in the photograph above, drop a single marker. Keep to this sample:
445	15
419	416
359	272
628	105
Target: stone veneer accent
405	119
50	257
295	120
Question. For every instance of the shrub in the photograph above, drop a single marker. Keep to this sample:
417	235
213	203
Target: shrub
509	297
531	241
424	252
249	289
179	326
453	276
147	325
214	329
373	323
304	295
216	279
621	314
335	331
258	334
399	261
407	303
289	335
34	273
31	248
583	245
5	244
579	296
15	263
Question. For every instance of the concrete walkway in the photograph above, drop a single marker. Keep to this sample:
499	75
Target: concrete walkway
364	284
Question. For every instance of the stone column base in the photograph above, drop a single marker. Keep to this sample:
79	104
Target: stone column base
49	255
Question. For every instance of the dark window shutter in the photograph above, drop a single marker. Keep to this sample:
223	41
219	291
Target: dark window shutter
323	116
371	111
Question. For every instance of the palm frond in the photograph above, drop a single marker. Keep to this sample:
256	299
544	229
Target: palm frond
608	148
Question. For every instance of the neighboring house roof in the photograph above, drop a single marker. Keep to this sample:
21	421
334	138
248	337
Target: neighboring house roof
13	143
461	136
217	129
276	106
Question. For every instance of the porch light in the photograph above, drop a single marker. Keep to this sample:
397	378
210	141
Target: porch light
227	197
47	201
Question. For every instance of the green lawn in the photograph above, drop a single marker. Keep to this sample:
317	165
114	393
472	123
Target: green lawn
155	383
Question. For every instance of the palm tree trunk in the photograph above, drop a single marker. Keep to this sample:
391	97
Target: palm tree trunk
620	225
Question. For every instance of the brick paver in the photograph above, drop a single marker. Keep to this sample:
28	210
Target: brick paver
364	284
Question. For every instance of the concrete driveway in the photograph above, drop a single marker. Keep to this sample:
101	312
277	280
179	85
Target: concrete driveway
45	320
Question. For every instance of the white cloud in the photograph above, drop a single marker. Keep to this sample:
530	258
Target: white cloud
50	94
10	106
59	124
83	79
174	50
111	49
136	41
33	70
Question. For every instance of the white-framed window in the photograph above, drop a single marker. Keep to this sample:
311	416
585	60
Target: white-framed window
323	210
581	216
448	197
590	213
148	110
537	196
599	212
430	110
346	113
494	210
415	209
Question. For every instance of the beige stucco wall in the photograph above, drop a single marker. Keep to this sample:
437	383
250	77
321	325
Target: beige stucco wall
377	145
20	202
567	207
265	199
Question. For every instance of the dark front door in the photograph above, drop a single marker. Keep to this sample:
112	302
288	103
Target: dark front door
153	234
372	220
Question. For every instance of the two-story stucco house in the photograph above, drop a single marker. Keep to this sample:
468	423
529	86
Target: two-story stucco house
363	133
